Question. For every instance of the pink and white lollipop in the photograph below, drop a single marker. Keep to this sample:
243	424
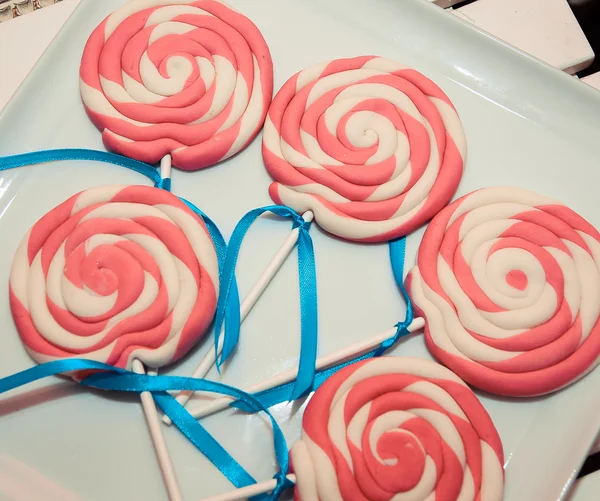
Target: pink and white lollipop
509	284
190	79
120	275
397	428
372	148
115	274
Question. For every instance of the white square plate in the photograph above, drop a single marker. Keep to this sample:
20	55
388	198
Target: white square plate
526	125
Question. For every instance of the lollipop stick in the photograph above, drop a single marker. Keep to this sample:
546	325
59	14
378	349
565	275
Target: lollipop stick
251	490
160	447
165	167
348	353
253	296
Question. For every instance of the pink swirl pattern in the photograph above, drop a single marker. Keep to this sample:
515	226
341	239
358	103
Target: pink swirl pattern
115	273
192	79
508	282
372	148
397	428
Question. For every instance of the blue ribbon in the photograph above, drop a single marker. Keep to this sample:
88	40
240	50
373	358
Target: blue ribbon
277	395
397	250
228	314
43	156
115	379
232	301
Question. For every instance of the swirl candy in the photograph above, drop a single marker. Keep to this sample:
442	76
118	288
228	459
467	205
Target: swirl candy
113	274
397	428
509	284
374	149
192	79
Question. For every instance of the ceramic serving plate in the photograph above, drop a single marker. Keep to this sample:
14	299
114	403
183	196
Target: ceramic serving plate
526	125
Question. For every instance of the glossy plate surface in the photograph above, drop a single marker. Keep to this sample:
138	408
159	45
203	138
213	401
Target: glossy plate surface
526	125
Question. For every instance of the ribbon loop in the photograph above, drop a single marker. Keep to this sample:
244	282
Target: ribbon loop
229	315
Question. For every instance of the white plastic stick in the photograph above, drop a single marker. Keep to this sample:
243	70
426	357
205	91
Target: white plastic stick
165	167
158	440
253	296
251	490
218	404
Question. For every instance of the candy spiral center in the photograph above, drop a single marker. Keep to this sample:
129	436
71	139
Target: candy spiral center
113	274
509	284
190	79
374	149
397	428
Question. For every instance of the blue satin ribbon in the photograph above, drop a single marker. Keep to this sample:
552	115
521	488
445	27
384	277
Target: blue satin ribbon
232	301
216	236
164	184
277	395
115	379
230	316
43	156
397	250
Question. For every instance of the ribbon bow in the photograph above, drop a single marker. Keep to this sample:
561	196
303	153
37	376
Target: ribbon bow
228	312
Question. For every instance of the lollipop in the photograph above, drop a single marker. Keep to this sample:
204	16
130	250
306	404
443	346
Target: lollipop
372	148
191	79
114	274
395	428
509	284
120	275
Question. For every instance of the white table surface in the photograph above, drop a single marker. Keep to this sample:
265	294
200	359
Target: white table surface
546	29
593	80
24	39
